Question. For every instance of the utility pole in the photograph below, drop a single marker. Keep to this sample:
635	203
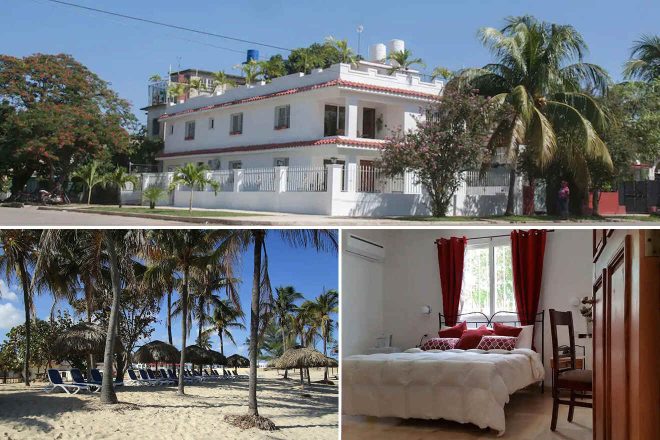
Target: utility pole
360	28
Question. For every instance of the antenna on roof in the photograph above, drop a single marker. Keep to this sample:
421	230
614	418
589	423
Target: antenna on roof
359	29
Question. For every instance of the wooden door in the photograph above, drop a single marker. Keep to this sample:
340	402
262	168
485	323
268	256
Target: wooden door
600	366
369	123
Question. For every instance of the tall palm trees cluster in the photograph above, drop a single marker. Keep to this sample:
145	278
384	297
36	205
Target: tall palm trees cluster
301	324
198	264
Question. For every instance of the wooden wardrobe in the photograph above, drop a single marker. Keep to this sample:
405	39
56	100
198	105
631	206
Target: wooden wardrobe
626	301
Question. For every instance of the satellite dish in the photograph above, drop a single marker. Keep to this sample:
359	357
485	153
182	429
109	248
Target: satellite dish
360	28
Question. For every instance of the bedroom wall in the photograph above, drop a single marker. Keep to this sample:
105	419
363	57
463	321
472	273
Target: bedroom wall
361	297
411	280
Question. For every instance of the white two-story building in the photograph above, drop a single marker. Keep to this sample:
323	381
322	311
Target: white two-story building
342	114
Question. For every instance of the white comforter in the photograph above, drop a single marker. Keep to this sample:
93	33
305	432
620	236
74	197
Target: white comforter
465	386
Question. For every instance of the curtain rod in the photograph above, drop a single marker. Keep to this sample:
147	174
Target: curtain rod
493	236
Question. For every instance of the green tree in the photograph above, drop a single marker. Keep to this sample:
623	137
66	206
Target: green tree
346	54
222	82
325	306
251	71
91	175
178	91
316	56
153	194
193	176
540	72
119	178
57	115
272	68
449	141
18	255
403	61
644	63
226	316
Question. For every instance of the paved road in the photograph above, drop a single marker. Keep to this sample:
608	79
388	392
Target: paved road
31	216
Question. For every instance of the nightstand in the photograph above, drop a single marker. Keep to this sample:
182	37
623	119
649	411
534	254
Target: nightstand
384	350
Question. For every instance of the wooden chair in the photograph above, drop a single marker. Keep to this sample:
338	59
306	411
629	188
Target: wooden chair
568	378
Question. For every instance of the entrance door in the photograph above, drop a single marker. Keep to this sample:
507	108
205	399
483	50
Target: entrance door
369	123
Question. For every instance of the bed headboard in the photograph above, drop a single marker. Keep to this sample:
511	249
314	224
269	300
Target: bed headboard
478	318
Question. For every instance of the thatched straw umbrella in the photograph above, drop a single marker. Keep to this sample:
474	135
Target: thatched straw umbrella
82	339
236	361
302	357
157	352
197	355
217	357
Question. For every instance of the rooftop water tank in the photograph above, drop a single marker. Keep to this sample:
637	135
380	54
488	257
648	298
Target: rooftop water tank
396	46
252	54
377	53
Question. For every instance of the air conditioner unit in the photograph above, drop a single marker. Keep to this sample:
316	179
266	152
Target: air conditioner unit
365	248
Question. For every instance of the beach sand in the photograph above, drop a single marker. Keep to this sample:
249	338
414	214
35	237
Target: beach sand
158	413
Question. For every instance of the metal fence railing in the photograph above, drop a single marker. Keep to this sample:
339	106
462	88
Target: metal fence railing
259	179
225	178
374	180
307	179
489	178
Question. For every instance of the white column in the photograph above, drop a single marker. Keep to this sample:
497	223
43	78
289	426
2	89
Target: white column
351	177
280	179
351	117
334	178
238	180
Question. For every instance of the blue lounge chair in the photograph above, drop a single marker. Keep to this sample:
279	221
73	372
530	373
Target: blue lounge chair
172	375
78	379
97	377
136	380
163	380
56	382
145	377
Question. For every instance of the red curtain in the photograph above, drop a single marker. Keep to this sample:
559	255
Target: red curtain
451	253
527	251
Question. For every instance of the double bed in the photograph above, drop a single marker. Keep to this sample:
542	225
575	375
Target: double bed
467	386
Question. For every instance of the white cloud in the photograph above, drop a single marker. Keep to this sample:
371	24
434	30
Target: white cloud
10	316
6	293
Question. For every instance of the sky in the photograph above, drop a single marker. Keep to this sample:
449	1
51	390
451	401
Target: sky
309	271
441	32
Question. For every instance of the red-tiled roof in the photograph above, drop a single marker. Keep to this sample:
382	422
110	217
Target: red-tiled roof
335	82
366	143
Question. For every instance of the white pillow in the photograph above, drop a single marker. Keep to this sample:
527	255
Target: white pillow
525	337
414	350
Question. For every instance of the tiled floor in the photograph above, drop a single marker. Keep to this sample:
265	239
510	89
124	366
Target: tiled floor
527	417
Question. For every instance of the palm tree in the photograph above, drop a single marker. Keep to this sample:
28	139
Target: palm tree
155	78
193	176
178	90
119	177
326	304
346	54
153	194
91	175
442	72
260	310
226	316
283	307
222	82
184	251
403	60
18	253
251	71
644	63
161	277
541	74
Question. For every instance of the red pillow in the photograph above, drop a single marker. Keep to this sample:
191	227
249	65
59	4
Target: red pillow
470	338
453	332
506	330
439	344
489	342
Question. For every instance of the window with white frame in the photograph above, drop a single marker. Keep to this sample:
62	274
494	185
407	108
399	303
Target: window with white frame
334	120
211	123
281	162
488	279
235	164
213	164
236	123
190	130
282	117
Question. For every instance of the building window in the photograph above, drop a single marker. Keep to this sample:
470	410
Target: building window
281	162
488	279
235	164
335	120
236	125
211	123
190	130
214	164
155	127
172	128
282	117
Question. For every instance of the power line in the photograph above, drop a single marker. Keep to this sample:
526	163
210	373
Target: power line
158	23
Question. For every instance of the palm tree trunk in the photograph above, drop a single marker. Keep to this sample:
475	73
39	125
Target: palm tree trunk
184	328
89	194
512	192
26	302
254	324
169	317
302	380
88	303
309	380
286	370
325	353
191	200
107	389
222	349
